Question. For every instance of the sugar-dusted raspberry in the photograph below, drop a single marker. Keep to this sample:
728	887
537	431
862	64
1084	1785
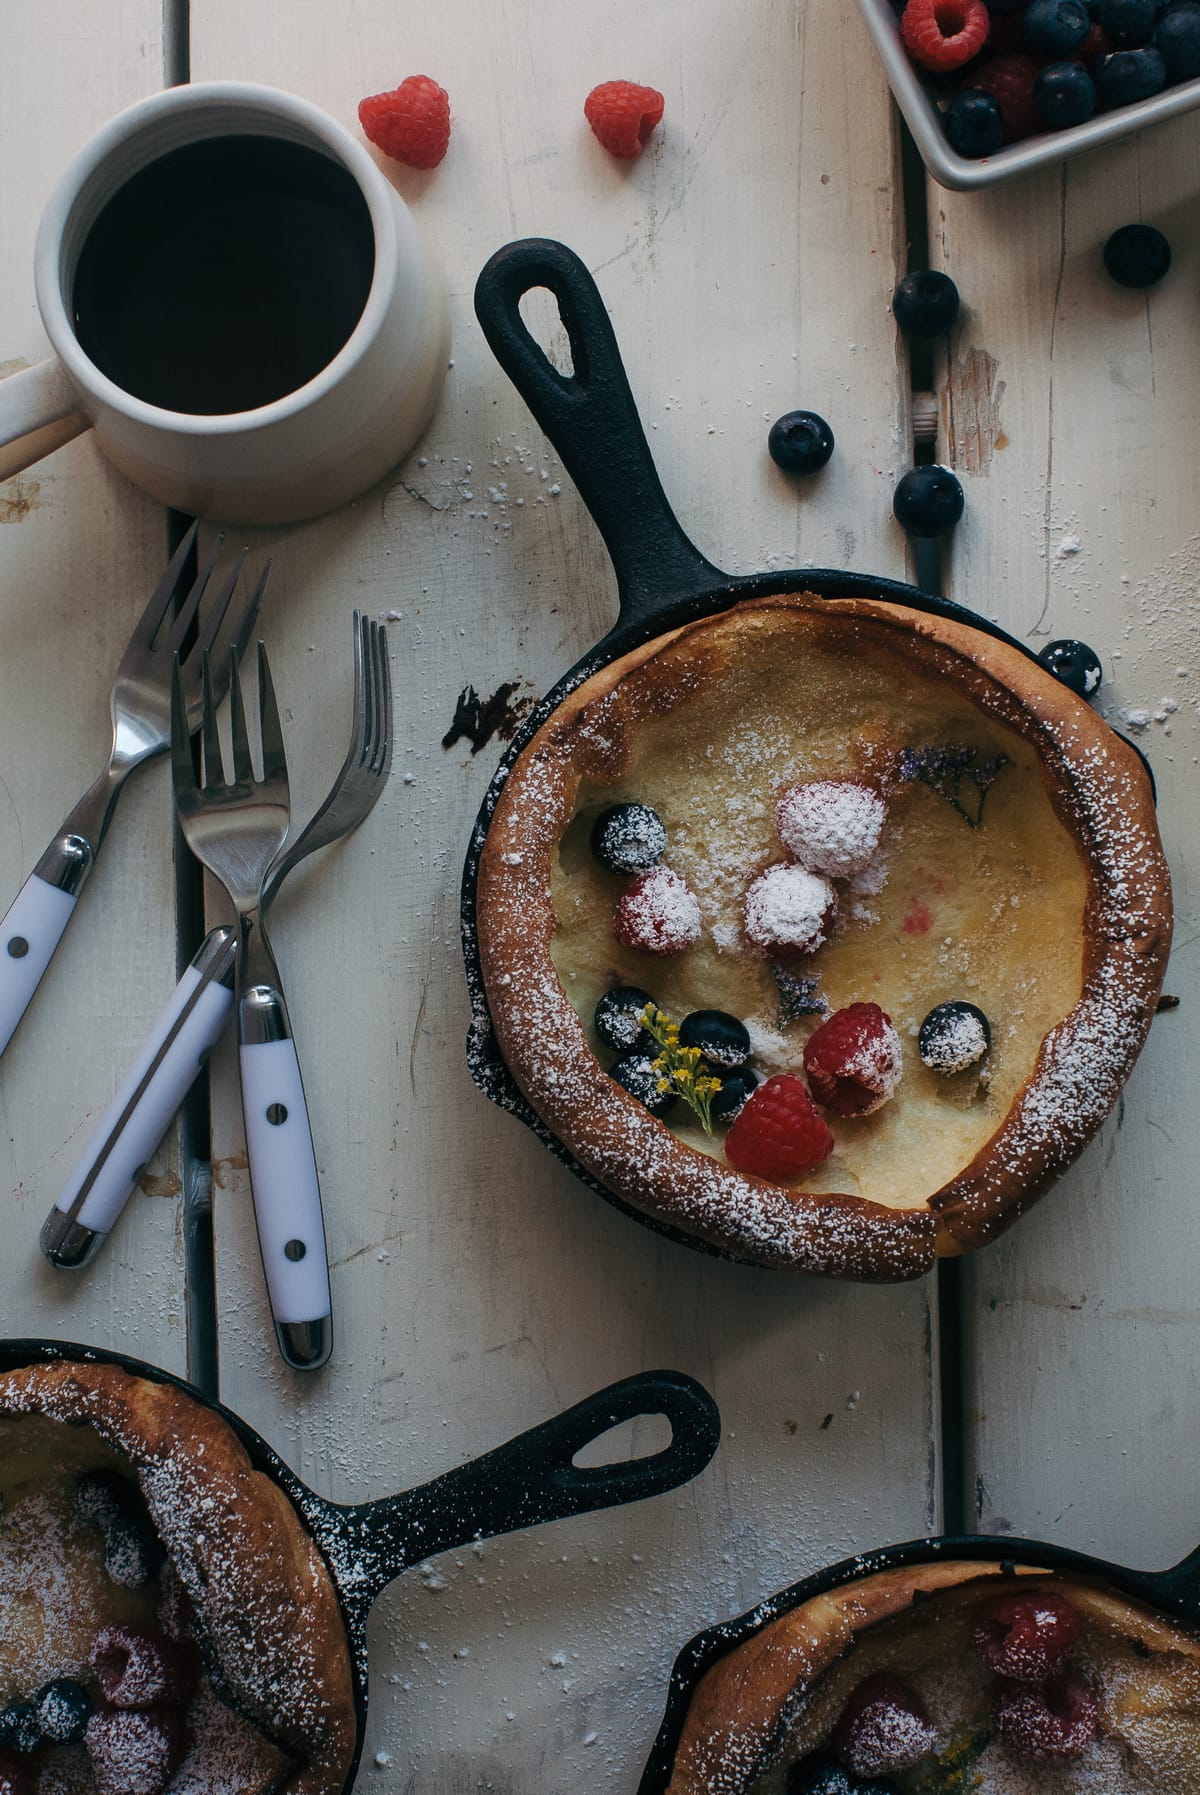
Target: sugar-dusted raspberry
831	826
132	1752
137	1669
1009	79
854	1060
1026	1638
1049	1722
789	909
658	914
883	1728
943	34
778	1134
411	123
623	114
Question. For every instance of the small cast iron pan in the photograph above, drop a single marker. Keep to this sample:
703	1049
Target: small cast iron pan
1174	1594
663	580
531	1479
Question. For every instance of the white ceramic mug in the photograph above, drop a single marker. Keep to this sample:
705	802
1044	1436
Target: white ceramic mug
301	455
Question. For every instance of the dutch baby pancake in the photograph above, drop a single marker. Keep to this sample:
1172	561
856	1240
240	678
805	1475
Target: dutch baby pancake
944	1678
166	1623
824	933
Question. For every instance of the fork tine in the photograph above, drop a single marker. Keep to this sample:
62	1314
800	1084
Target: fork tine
239	735
164	592
183	777
274	759
244	627
384	767
376	700
191	604
364	688
216	612
214	771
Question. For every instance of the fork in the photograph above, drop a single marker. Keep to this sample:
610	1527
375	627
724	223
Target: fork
235	827
140	707
198	1011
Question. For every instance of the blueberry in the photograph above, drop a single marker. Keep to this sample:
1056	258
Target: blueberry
1056	27
1075	664
720	1037
20	1729
1137	255
925	303
133	1552
628	838
800	442
1128	22
928	501
1129	75
64	1708
619	1018
730	1099
954	1036
1064	94
974	123
1177	41
635	1074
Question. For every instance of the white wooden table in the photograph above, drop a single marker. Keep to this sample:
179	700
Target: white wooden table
747	260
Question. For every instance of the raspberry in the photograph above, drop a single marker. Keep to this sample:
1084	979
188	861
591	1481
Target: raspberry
790	908
882	1728
831	826
1009	80
854	1060
139	1670
622	115
943	34
134	1753
1027	1638
1050	1721
658	914
778	1134
411	123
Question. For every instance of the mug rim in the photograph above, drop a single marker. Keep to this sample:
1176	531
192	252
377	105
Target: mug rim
377	192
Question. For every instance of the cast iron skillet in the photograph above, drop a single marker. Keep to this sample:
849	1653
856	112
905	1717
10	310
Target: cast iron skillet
663	580
1174	1593
530	1480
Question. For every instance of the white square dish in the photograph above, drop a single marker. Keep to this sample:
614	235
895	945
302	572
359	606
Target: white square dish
955	171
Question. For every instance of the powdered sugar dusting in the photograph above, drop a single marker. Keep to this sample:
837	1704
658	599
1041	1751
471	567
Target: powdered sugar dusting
832	826
789	907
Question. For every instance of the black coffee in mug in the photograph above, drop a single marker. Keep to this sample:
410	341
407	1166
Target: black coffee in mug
225	274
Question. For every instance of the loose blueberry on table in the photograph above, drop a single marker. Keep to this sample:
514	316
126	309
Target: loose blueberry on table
926	302
928	502
1137	255
800	442
1075	664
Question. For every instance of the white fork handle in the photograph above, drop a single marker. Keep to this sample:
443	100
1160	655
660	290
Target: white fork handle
29	935
139	1115
287	1200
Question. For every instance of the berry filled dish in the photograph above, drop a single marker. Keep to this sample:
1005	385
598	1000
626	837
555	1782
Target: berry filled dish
165	1622
826	934
950	1679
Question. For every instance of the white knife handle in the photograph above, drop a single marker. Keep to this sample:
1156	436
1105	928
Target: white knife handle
287	1200
140	1114
29	935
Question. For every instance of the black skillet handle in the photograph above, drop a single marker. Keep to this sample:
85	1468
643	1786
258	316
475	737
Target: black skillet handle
533	1479
590	417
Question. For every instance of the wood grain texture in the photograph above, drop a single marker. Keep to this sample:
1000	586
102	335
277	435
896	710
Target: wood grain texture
80	550
747	260
1073	412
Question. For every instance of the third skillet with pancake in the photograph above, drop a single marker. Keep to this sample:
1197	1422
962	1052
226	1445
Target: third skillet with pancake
1047	907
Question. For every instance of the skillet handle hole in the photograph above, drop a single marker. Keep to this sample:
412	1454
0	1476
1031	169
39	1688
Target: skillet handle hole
541	318
625	1443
